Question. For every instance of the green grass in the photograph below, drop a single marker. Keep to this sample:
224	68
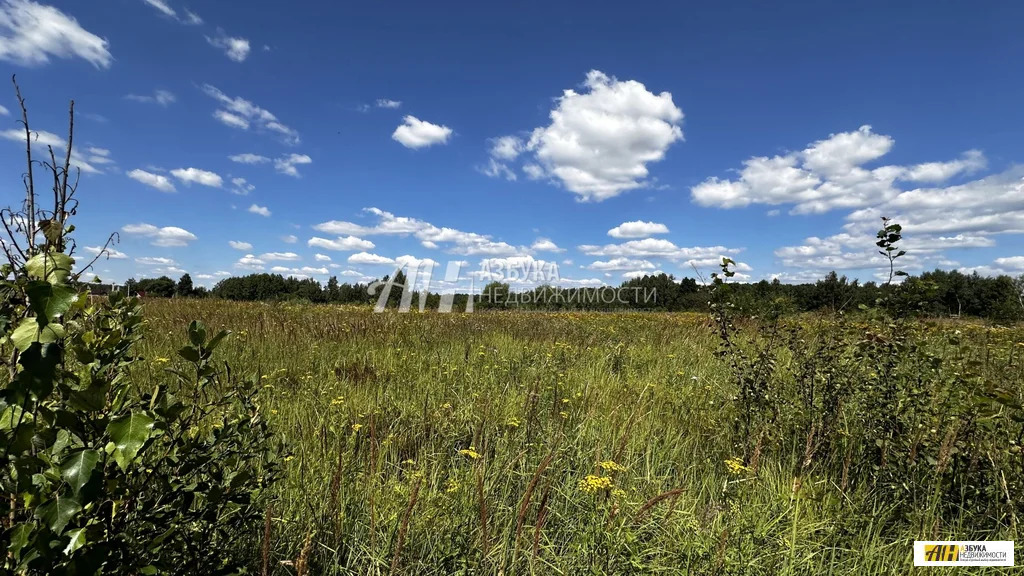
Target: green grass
374	405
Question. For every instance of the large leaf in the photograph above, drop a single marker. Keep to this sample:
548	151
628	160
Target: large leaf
50	301
77	541
77	468
129	433
58	512
52	267
30	331
39	363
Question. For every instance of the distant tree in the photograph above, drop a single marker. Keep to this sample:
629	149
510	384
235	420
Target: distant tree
184	287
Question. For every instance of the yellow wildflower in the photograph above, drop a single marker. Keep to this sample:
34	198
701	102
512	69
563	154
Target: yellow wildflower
470	453
592	484
452	486
356	427
735	466
611	466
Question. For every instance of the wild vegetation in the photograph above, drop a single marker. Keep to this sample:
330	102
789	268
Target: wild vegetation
327	439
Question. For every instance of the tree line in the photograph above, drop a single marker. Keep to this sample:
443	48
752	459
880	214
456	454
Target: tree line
936	293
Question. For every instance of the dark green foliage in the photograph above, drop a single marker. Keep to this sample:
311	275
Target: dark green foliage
98	476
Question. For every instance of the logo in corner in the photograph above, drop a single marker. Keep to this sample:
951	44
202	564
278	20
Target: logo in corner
963	553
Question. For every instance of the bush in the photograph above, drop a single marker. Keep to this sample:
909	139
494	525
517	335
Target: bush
97	475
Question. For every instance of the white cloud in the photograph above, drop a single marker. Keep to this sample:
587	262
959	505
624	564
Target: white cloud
621	264
322	258
236	49
232	120
197	176
32	33
290	239
261	210
458	241
155	261
166	236
342	243
826	175
385	103
971	162
250	262
42	138
162	97
304	272
600	141
3	111
240	245
158	181
286	164
545	245
504	149
416	133
637	229
641	273
655	248
252	113
276	256
367	258
162	6
241	187
108	253
248	158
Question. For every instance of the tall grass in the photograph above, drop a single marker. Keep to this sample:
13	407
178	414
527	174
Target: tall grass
566	443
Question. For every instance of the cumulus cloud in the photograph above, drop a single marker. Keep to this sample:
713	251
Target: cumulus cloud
278	256
621	264
457	241
250	262
287	164
241	187
251	113
32	33
162	97
367	258
545	245
637	229
236	49
655	248
826	175
290	239
416	133
158	181
108	252
261	210
248	158
85	163
322	258
244	246
166	236
600	140
197	176
155	261
342	243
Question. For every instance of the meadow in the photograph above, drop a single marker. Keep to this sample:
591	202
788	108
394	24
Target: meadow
619	443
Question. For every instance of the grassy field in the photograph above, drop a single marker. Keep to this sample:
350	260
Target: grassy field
562	443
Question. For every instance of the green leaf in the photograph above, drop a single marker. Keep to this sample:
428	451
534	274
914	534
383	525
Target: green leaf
29	331
52	267
19	537
58	512
215	341
129	433
189	353
78	467
197	333
77	541
50	301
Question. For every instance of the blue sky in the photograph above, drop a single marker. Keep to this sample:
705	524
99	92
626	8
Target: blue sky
608	139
